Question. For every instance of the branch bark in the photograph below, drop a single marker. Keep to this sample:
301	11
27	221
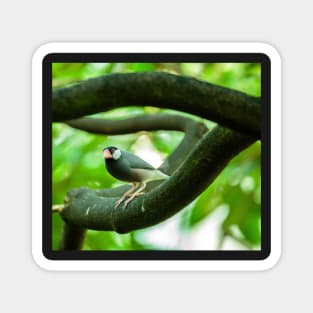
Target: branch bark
72	237
131	125
93	209
227	107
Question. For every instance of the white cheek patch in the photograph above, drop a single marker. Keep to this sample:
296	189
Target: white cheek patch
116	154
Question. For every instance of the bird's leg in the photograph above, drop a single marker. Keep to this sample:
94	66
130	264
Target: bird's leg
135	194
126	194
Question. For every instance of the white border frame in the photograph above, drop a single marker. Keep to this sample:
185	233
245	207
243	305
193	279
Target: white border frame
164	265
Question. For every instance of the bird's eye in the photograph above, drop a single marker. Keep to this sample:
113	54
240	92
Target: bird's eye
116	154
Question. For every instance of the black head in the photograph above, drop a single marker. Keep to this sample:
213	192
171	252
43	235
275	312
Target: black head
112	153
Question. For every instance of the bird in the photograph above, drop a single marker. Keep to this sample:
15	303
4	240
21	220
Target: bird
128	167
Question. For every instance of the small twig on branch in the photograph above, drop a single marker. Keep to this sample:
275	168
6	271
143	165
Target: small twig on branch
57	208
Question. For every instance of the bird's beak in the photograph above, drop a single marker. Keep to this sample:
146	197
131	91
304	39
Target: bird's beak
107	154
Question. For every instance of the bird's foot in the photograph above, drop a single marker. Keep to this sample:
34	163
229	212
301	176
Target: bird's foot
117	203
131	198
126	194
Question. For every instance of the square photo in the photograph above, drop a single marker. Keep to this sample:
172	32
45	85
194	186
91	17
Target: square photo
156	156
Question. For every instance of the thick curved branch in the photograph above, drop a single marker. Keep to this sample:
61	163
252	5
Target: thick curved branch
133	124
227	107
194	130
92	209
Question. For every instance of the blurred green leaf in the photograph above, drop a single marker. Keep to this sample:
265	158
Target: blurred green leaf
206	204
57	230
165	141
141	67
251	227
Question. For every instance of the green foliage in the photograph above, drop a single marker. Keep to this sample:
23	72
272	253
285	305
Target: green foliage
78	161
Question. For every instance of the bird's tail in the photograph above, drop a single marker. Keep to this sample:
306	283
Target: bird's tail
157	175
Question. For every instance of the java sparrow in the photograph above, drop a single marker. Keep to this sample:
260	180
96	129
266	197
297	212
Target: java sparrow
128	167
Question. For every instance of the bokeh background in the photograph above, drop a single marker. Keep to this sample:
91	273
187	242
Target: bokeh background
227	214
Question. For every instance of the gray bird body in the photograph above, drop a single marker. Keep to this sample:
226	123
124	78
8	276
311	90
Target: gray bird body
130	168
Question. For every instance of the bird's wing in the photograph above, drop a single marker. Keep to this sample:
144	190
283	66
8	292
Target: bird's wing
149	175
136	162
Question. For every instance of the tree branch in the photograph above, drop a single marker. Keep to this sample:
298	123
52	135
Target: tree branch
227	107
194	130
72	237
133	124
93	209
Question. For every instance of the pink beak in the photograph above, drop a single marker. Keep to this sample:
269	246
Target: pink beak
107	154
